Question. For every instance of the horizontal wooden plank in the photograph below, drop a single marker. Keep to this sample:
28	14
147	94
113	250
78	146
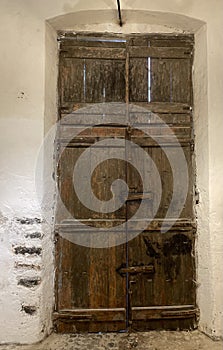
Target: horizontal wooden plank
93	52
74	226
156	107
149	118
98	315
70	35
84	41
138	117
165	312
120	53
75	326
162	40
164	107
159	52
160	142
154	225
148	142
184	224
67	33
159	131
90	134
142	138
176	42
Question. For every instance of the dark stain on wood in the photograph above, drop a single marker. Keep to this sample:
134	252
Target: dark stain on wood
179	244
151	249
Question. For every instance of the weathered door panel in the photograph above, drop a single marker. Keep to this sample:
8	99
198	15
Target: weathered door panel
91	295
147	283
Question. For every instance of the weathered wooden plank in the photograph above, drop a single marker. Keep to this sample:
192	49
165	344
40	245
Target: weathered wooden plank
80	326
71	80
146	118
105	81
161	87
143	138
171	80
164	312
90	135
156	107
165	107
183	224
160	131
103	36
94	42
138	80
136	119
177	40
103	314
64	35
106	287
165	324
93	52
181	81
73	261
160	52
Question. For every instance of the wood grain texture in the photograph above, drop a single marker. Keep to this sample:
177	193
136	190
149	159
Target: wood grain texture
171	80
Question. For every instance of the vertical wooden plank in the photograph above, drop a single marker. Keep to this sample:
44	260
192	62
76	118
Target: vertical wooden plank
72	80
138	80
73	271
105	81
107	287
161	85
181	80
171	80
166	180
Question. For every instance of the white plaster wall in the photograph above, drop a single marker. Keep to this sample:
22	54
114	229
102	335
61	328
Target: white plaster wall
27	65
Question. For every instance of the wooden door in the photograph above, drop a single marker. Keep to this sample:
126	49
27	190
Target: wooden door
147	282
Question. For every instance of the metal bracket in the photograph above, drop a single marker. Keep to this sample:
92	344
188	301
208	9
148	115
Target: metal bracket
119	13
136	269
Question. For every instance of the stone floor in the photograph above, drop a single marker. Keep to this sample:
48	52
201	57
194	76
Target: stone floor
123	341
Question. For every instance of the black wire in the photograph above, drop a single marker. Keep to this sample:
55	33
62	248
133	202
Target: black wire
119	13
